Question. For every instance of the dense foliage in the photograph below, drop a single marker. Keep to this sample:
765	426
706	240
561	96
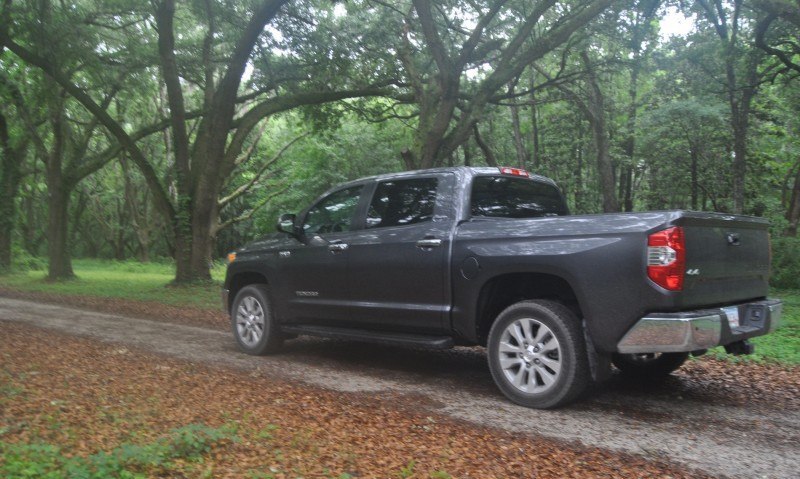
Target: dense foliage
182	129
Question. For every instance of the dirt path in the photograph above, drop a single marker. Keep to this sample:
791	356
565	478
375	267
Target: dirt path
746	425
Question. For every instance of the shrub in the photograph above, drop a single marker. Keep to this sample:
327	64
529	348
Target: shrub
22	261
785	263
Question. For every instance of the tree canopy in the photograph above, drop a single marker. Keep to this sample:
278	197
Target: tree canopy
182	128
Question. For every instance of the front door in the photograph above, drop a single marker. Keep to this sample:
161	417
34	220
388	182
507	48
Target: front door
313	273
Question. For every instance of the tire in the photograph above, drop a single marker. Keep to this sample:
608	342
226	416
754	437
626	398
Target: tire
253	321
537	354
648	366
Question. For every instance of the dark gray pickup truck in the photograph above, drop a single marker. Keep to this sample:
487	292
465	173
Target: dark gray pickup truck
490	256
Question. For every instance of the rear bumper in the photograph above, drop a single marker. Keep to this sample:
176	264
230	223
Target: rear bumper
695	330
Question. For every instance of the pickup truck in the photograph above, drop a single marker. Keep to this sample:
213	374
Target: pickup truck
491	257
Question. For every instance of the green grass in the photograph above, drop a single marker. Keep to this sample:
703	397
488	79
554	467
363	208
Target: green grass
128	280
129	461
783	344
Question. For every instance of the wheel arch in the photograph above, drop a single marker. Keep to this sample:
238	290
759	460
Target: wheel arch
239	281
503	290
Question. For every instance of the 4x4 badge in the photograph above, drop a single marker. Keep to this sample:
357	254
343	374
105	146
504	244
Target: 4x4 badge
692	272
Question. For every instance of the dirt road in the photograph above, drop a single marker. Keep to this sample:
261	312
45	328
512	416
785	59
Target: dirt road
745	425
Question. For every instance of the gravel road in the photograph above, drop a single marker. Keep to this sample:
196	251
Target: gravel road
686	419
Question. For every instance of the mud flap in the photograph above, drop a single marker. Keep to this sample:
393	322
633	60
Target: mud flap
599	363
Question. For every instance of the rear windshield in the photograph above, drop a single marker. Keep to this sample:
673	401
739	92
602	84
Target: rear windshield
507	197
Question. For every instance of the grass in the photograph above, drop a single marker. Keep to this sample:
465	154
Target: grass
128	280
783	344
151	282
168	454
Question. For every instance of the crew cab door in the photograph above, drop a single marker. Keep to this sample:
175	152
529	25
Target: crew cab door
312	275
397	262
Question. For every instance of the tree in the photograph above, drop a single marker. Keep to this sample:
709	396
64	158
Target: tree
203	159
13	151
65	139
740	80
638	35
462	67
684	149
777	33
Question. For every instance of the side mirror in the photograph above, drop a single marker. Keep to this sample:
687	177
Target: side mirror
286	224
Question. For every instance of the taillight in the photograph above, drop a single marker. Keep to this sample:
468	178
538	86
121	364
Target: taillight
666	258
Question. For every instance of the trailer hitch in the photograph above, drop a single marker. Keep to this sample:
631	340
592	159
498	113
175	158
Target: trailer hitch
740	348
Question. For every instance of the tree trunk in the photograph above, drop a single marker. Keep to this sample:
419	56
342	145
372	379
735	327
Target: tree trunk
535	156
740	128
182	237
60	267
138	219
519	145
204	219
695	157
58	193
597	118
578	149
793	213
626	170
487	151
30	214
9	187
740	91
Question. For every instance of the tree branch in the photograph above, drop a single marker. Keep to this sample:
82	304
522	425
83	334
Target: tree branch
245	124
761	30
247	186
165	14
250	213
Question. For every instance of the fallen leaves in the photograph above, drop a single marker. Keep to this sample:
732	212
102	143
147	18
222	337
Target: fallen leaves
87	397
188	315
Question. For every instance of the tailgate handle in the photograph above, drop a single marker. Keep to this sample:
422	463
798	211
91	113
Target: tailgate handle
733	239
429	243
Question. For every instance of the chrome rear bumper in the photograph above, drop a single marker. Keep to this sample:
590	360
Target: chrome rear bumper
703	329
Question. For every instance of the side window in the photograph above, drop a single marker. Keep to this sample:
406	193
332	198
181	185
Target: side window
333	213
402	202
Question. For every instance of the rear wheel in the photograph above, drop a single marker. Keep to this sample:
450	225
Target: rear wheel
648	365
537	354
253	322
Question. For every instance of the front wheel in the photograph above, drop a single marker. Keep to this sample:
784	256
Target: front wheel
253	322
648	365
537	354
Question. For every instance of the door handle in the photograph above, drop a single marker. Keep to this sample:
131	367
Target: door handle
338	247
429	243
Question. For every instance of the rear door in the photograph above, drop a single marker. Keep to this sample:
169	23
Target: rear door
397	263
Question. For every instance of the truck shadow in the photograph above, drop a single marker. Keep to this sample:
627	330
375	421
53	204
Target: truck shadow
466	369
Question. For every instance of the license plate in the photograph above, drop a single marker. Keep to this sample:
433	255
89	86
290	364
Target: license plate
733	316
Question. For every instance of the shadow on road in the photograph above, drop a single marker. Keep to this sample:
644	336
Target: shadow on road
466	369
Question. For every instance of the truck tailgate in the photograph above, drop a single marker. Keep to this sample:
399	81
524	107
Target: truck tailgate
727	258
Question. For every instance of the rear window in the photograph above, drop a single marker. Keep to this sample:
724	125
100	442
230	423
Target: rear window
505	197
